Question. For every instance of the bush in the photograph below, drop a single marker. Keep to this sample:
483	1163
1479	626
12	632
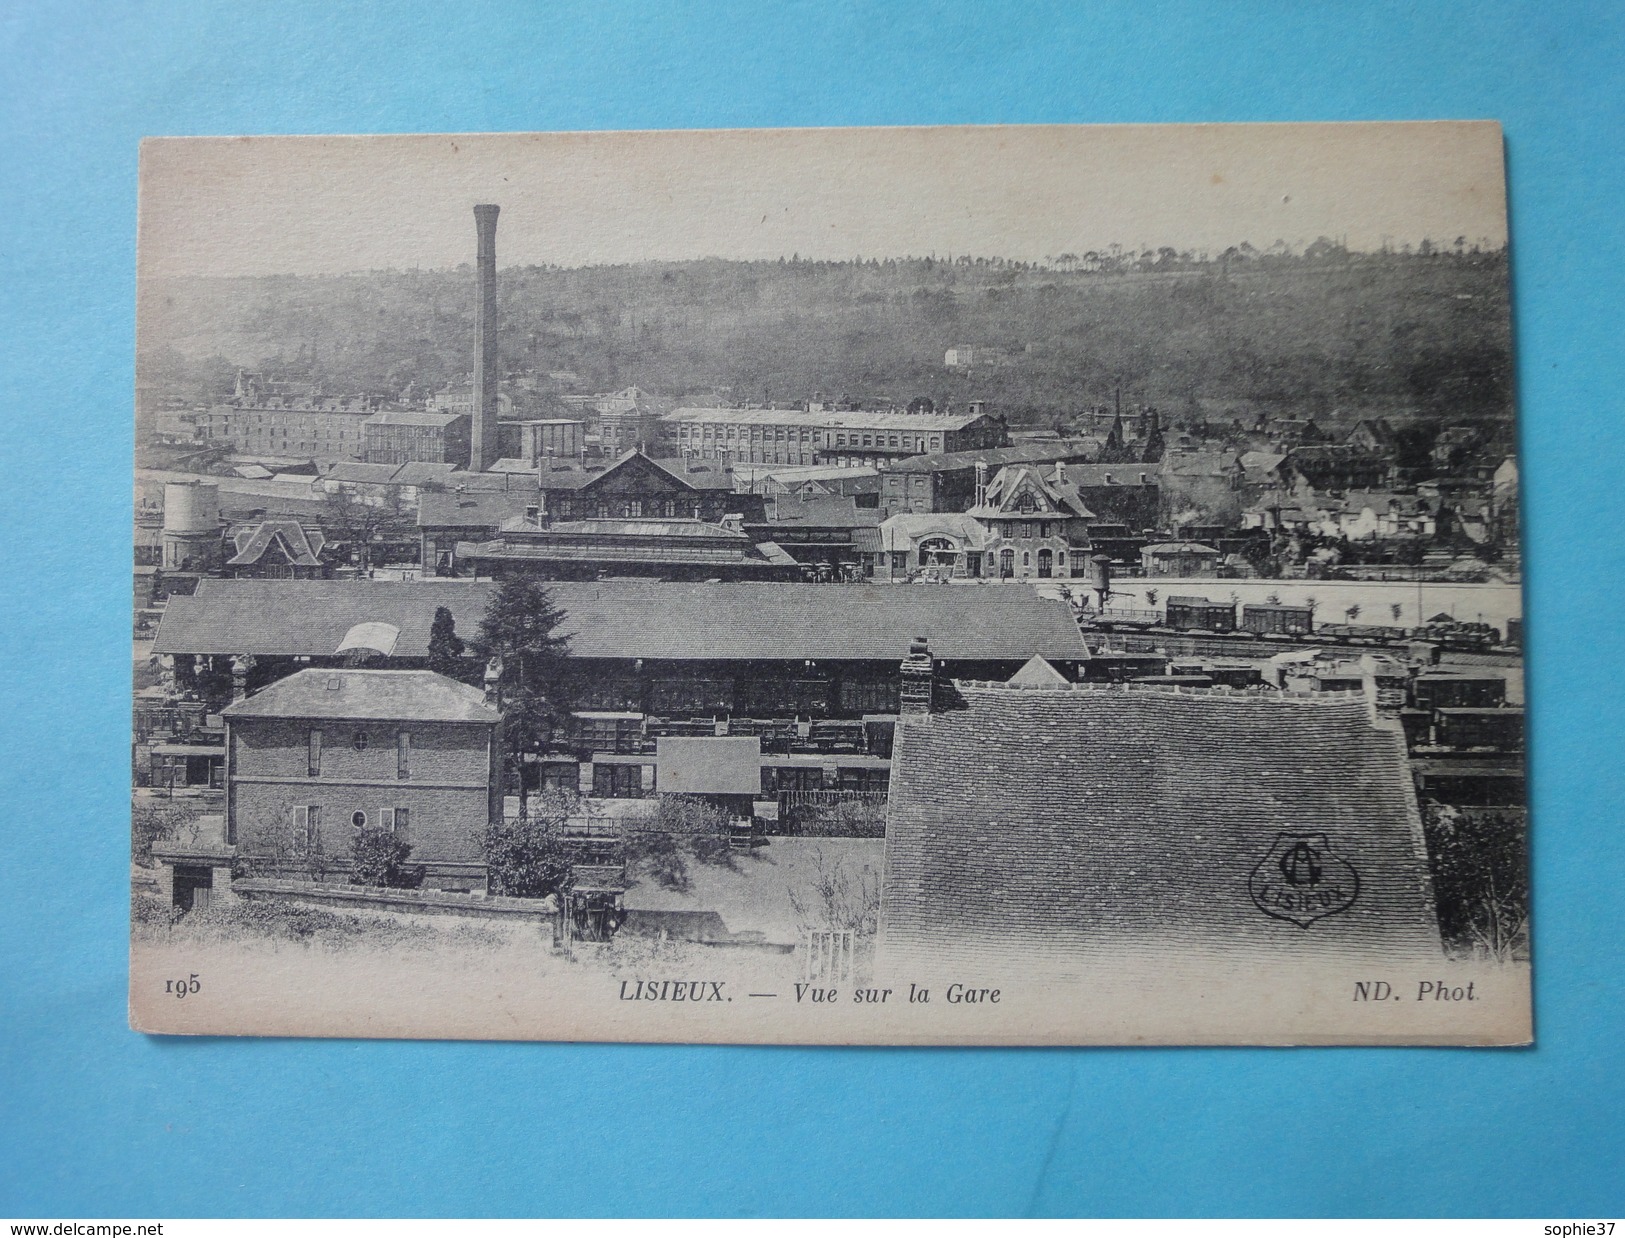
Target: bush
378	858
154	820
527	858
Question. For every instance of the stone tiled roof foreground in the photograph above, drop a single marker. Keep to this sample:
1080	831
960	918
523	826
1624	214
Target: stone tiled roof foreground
1039	829
637	619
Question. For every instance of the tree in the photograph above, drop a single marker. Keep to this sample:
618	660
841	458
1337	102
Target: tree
447	649
1151	598
518	632
1396	610
1353	612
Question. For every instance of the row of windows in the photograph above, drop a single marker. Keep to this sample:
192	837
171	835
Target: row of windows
908	442
626	782
1028	529
307	821
625	509
360	741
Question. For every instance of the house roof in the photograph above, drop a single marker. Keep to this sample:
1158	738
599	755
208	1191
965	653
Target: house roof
1183	548
413	417
998	457
580	479
359	695
478	509
837	511
356	471
1033	825
1037	673
1012	479
1130	474
302	547
769	621
423	473
1199	463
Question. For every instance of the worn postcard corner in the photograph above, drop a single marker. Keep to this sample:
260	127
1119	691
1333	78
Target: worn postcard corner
998	585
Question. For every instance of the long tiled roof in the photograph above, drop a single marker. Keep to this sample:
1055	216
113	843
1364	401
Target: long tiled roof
838	420
395	696
638	619
997	457
1034	824
472	509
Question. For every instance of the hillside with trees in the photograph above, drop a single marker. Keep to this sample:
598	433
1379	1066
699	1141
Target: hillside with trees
1323	332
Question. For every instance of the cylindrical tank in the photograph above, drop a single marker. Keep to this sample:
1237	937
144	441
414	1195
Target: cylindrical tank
191	507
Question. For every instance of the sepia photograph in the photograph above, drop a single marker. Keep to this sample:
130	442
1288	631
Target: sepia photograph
952	585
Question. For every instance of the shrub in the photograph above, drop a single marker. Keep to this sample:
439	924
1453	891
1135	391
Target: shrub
378	858
527	858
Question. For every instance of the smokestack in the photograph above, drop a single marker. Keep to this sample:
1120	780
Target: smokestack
487	375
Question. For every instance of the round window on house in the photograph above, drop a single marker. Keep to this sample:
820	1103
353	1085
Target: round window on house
358	819
360	740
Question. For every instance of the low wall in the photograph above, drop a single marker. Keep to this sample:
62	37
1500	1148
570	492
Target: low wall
419	902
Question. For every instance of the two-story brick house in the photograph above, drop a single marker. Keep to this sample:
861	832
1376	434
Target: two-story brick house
1037	526
313	759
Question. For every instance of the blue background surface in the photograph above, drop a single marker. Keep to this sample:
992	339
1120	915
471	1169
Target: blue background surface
97	1120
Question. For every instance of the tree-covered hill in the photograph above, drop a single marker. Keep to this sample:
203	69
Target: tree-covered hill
1322	333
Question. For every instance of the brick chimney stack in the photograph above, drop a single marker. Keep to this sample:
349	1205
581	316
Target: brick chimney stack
981	483
917	678
487	364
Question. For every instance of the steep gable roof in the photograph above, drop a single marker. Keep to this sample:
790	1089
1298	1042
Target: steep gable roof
299	546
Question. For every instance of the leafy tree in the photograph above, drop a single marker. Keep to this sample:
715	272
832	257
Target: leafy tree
1396	610
1353	612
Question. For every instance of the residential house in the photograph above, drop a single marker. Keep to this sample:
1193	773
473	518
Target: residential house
1037	526
318	757
1191	559
278	548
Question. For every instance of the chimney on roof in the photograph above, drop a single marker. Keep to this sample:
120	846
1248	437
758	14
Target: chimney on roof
917	678
493	683
1060	474
487	374
981	483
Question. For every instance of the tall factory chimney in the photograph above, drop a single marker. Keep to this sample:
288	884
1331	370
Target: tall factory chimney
487	366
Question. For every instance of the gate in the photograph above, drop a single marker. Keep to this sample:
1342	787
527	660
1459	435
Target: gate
827	955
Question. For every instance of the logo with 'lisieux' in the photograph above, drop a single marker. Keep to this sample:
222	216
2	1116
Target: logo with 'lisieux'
1302	880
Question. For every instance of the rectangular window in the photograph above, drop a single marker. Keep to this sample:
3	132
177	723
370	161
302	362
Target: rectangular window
313	761
403	819
403	754
307	822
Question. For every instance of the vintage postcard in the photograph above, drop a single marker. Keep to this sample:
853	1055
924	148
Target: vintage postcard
1004	585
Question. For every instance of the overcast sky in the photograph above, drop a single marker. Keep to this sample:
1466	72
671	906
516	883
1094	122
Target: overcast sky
256	206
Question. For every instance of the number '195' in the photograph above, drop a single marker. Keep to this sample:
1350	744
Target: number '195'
180	988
